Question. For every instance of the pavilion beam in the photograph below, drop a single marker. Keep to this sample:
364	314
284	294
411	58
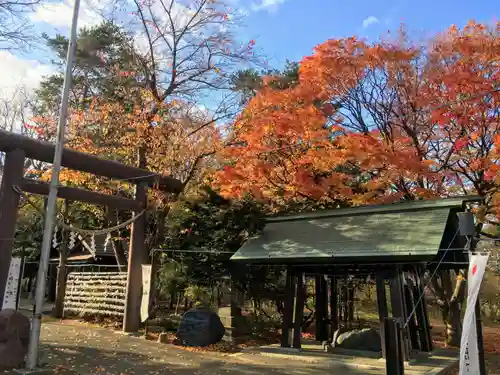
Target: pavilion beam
300	298
9	200
382	308
138	256
81	195
287	323
44	151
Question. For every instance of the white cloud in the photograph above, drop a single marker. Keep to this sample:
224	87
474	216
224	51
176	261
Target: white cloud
60	14
19	78
372	20
141	43
267	5
16	72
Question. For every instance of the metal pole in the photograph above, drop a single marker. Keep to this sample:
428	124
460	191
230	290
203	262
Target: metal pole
480	339
32	360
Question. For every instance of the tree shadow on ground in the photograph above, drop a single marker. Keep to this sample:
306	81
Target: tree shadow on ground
84	360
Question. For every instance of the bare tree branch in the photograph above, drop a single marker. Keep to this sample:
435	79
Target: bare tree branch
15	28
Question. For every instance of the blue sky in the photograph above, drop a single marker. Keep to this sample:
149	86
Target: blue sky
282	29
291	29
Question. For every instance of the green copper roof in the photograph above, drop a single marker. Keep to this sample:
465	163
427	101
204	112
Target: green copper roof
406	229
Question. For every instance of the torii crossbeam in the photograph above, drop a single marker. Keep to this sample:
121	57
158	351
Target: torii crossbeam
18	147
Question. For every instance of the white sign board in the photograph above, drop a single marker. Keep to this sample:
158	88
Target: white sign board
469	356
146	289
10	295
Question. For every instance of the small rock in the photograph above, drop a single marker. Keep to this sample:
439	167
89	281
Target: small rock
14	338
200	327
367	339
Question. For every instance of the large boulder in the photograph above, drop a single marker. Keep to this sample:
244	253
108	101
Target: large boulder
367	339
14	338
200	327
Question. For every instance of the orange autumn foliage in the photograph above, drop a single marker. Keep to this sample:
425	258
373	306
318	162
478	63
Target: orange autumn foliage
374	122
176	139
493	174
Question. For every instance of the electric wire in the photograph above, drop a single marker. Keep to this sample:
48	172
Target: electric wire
429	281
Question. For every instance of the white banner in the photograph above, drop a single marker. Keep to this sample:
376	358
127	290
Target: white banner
11	288
469	358
146	289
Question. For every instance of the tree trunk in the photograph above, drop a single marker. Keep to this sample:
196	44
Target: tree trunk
62	271
172	297
450	298
453	324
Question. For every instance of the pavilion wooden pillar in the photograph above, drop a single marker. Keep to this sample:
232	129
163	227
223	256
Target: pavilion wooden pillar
137	256
410	301
399	307
9	200
422	315
321	301
334	313
382	308
287	323
324	304
300	297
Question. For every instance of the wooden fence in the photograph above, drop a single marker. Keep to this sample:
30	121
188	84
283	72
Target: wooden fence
96	293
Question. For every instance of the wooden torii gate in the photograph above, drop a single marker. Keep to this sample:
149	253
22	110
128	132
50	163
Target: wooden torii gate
18	147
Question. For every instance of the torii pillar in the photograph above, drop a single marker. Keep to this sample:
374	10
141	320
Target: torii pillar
137	256
9	200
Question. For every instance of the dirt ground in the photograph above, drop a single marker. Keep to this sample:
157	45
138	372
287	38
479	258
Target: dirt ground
75	348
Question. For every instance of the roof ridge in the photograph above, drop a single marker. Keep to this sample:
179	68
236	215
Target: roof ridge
450	202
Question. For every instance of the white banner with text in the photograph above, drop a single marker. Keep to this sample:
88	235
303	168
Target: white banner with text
469	356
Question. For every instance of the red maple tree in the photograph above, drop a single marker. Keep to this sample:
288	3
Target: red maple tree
375	122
